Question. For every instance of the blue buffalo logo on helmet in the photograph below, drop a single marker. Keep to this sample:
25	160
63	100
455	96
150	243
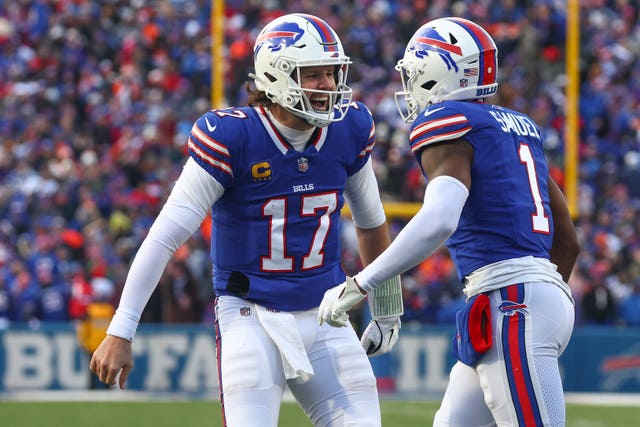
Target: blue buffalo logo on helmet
279	36
431	41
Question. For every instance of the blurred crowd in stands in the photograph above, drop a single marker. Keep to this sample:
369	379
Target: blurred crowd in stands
97	100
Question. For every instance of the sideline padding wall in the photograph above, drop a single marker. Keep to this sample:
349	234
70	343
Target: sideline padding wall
176	358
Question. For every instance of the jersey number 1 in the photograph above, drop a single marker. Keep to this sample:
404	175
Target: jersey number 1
539	220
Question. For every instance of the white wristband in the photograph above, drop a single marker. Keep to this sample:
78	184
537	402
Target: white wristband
386	299
123	325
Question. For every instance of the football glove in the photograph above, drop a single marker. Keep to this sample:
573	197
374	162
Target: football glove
381	335
337	301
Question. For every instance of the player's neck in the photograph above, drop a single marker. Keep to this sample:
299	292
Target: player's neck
297	138
288	119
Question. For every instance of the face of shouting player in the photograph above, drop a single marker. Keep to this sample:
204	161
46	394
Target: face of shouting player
321	78
317	82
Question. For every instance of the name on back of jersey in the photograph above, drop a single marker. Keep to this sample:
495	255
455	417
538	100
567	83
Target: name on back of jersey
515	123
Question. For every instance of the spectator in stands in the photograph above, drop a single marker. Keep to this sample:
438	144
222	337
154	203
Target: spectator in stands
53	295
5	301
92	329
179	292
25	295
629	307
598	304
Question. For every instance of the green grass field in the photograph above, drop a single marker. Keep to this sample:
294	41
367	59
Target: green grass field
202	413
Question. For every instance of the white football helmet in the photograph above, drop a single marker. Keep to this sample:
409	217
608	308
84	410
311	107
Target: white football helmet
446	59
299	40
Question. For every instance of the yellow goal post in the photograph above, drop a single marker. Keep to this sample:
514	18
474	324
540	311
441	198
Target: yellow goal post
393	210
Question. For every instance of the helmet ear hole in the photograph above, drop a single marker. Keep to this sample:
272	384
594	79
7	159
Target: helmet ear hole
285	66
289	100
271	77
428	85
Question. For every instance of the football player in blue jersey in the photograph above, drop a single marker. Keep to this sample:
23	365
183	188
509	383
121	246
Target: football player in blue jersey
274	176
490	199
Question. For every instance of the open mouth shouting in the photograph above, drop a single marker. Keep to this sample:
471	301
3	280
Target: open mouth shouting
320	103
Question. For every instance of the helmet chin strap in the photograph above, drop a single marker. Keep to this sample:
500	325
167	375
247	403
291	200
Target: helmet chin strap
439	96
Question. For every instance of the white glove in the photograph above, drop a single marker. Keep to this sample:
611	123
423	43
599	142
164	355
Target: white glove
381	335
337	301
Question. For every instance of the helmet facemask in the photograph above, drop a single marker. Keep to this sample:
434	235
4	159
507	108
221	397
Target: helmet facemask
298	100
411	100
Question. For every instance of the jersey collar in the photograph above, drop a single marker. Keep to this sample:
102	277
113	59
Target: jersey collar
316	140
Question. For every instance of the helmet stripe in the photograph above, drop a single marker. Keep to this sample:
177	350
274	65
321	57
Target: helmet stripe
329	38
486	46
440	44
274	34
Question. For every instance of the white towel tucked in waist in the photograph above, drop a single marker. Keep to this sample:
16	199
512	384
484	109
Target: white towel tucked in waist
283	330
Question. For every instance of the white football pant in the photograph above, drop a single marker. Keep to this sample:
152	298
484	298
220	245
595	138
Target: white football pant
342	391
517	382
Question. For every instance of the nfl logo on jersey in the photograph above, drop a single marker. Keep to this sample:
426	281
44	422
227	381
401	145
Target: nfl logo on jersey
303	164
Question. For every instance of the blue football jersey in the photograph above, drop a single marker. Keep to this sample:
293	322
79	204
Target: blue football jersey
507	214
275	230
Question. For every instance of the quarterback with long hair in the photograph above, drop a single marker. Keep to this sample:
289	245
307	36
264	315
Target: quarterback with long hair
274	175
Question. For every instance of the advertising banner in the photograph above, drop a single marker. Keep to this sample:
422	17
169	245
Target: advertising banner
182	359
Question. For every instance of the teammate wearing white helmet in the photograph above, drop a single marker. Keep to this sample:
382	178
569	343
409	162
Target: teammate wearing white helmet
490	199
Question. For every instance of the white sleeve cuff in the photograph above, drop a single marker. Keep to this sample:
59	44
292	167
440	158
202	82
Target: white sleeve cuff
123	325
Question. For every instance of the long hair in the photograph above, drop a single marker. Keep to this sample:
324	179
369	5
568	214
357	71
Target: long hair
256	97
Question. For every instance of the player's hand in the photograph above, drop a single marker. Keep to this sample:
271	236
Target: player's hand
338	301
381	335
112	356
